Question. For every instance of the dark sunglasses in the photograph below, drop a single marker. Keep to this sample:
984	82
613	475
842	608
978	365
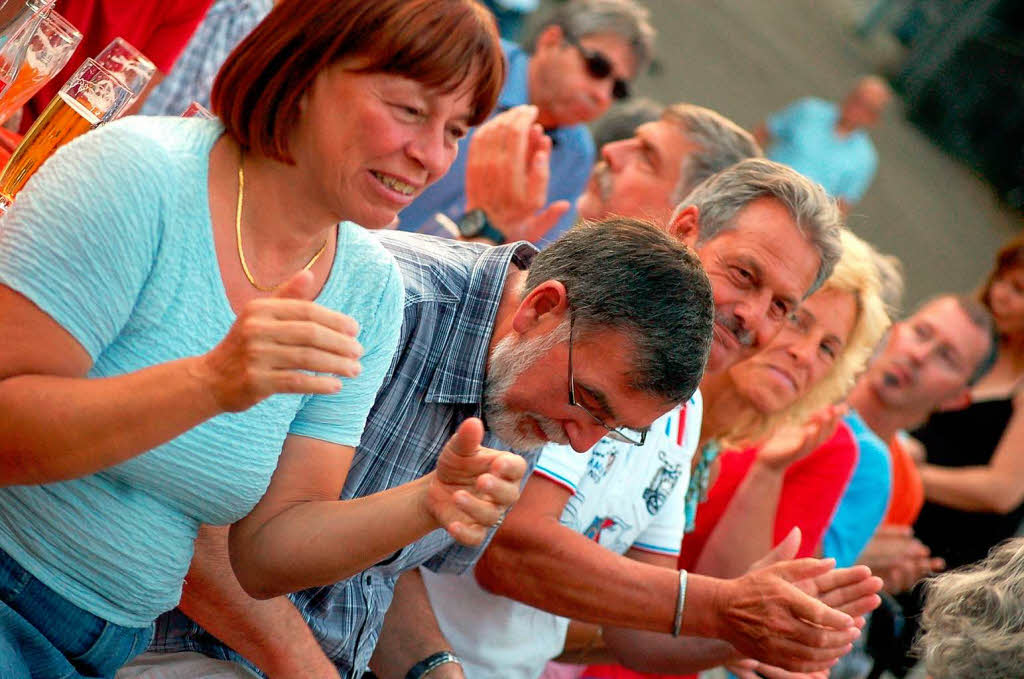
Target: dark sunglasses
600	67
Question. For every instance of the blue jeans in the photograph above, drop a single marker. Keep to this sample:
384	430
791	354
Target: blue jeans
44	636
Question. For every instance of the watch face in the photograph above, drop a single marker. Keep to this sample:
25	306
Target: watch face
472	222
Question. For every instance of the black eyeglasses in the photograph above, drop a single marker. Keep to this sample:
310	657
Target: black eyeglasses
599	66
622	434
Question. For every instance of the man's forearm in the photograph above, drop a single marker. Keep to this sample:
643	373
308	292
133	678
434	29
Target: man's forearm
410	633
270	633
528	564
744	532
651	652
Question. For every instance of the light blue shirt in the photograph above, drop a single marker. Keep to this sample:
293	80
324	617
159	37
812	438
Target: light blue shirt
112	238
806	140
863	505
572	158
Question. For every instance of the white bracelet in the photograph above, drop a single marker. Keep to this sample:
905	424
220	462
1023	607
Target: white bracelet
677	622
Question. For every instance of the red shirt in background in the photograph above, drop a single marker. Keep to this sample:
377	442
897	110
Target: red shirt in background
907	488
160	29
811	491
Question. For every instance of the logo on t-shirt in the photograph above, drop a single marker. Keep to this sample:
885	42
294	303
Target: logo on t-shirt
602	457
600	524
661	485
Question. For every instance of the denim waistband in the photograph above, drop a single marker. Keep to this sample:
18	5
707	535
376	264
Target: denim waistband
92	645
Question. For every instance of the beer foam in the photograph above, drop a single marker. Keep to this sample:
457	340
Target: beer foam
78	108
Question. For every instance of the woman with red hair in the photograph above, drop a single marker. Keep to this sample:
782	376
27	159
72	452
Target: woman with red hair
180	301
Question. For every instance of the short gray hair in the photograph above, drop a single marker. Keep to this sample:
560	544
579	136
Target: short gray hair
720	197
622	119
624	18
628	275
972	622
722	144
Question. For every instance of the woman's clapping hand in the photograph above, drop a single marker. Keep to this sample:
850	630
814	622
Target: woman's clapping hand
282	344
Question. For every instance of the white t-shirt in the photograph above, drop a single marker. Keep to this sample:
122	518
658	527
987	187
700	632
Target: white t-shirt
624	497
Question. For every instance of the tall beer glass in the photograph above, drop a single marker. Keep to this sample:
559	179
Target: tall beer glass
19	20
49	51
128	64
90	97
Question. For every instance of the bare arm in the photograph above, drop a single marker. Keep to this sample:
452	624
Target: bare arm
300	535
997	487
852	591
271	634
652	652
536	560
849	590
746	529
58	424
410	633
527	560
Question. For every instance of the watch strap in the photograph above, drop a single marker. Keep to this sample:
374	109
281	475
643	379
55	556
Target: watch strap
431	663
492	234
480	227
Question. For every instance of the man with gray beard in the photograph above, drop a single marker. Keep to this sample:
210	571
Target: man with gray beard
596	537
486	331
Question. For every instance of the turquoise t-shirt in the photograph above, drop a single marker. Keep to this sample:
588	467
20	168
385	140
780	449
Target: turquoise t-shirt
112	238
863	505
805	139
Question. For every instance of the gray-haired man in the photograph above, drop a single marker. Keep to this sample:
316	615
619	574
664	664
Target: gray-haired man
585	541
644	176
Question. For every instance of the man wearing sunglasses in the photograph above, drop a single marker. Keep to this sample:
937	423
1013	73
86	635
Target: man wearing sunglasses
596	536
580	60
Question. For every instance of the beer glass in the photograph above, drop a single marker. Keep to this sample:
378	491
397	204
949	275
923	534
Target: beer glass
49	51
90	97
19	20
128	64
197	110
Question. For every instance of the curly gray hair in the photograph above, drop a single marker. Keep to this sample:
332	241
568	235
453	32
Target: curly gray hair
973	621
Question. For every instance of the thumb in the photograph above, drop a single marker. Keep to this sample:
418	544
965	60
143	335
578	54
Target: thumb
299	286
784	551
467	438
546	219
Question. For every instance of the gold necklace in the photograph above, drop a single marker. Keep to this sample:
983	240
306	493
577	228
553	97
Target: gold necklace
238	235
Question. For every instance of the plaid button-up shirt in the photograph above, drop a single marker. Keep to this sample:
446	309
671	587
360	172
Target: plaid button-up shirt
436	380
226	23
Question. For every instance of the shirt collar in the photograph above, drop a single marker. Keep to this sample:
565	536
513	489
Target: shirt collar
461	374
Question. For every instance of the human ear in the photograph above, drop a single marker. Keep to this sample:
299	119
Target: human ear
546	304
685	226
551	36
